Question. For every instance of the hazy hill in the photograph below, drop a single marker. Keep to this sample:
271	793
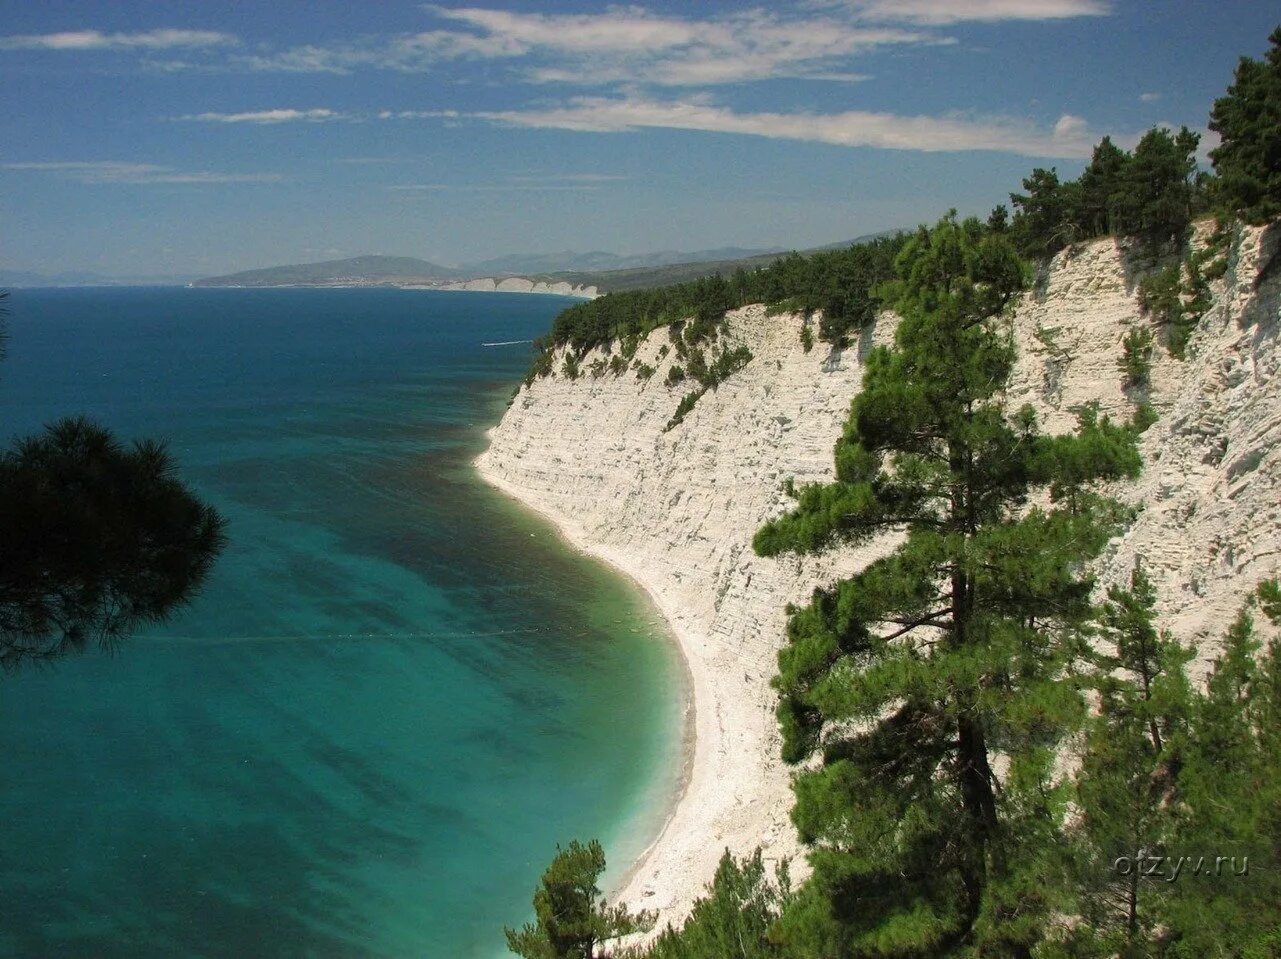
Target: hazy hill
647	277
523	264
352	270
605	271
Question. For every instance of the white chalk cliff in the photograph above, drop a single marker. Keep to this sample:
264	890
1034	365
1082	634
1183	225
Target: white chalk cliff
520	284
677	510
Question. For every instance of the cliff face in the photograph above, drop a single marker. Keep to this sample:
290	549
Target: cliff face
519	284
677	510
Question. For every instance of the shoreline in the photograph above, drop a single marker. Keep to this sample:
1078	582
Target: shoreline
689	740
675	513
538	289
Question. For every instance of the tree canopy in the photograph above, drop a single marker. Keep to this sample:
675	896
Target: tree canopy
841	283
1150	195
570	919
97	539
1248	120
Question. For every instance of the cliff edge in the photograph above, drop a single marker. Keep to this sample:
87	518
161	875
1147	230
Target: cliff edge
676	510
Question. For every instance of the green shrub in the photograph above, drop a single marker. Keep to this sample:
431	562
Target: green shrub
542	365
1160	293
1144	416
687	403
726	365
1136	360
675	375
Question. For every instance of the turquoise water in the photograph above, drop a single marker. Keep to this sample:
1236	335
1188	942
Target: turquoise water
398	690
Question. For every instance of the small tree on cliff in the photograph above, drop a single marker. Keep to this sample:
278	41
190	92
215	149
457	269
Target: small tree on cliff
570	920
911	677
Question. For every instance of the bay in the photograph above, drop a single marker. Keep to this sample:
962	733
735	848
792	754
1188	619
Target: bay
398	690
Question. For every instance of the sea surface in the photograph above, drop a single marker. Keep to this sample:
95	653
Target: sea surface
397	692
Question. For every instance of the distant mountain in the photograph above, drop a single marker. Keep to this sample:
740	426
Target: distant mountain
355	270
597	268
648	277
522	264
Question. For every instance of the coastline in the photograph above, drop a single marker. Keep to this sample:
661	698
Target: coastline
734	792
675	511
486	285
680	642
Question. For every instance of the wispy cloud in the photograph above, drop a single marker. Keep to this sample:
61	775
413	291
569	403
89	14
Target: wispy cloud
570	178
512	184
112	171
370	161
1069	137
623	45
1149	97
268	116
943	12
816	40
164	39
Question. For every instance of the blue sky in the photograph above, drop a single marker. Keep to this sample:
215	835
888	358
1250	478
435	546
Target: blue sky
205	137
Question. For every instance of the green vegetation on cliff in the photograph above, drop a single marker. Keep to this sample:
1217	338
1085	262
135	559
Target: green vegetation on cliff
841	283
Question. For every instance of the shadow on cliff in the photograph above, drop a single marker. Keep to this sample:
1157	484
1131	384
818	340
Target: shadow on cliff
1263	310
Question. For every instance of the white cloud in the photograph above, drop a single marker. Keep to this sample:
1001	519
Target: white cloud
943	12
1209	141
112	171
1069	137
97	40
268	116
623	45
1149	97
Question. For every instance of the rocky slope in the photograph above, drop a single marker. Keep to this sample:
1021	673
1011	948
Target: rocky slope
676	510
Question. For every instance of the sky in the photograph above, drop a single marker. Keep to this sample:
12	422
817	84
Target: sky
206	137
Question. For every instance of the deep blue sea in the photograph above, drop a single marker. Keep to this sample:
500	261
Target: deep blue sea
398	690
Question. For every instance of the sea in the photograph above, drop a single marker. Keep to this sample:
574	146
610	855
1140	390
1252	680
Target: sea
398	690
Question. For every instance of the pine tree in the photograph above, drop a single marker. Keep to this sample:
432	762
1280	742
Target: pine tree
1227	902
734	920
1102	183
910	678
1248	119
1041	219
98	539
1125	787
570	920
1154	204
